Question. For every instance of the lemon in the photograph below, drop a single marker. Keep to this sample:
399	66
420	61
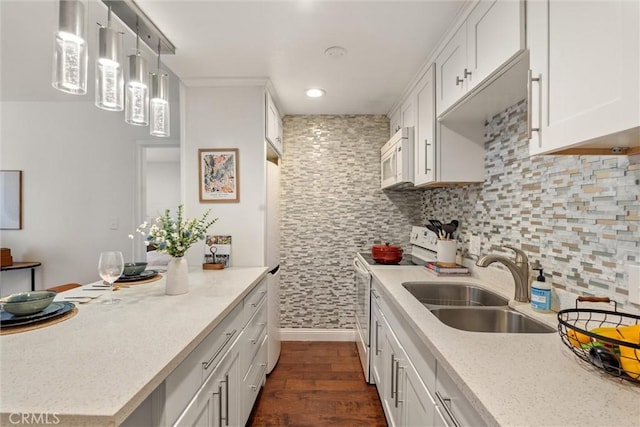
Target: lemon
577	339
630	361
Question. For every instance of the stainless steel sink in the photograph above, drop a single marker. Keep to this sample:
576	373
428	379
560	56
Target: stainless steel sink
490	319
457	294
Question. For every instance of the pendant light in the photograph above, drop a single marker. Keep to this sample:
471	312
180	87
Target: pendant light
109	73
160	117
70	48
136	109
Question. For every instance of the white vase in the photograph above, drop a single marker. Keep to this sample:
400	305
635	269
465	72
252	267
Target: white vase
177	281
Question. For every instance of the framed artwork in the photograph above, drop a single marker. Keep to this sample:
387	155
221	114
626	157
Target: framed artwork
219	175
11	200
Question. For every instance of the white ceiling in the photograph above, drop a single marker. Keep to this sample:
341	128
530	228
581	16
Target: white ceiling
387	42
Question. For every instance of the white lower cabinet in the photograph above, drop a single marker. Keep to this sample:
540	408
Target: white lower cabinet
405	398
216	402
413	388
218	383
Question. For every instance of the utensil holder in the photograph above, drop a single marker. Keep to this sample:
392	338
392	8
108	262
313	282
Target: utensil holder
447	253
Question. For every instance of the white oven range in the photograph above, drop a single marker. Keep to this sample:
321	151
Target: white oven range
423	249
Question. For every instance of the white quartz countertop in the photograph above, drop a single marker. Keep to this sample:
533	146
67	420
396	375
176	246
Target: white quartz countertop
97	367
515	379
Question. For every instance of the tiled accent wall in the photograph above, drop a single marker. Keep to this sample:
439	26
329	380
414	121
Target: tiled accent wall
331	208
578	215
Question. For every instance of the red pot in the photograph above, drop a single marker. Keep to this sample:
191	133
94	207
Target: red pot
386	254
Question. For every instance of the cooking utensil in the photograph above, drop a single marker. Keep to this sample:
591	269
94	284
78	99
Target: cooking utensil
434	229
449	229
386	254
436	223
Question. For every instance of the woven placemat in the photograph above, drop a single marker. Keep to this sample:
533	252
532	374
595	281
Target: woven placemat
140	282
39	325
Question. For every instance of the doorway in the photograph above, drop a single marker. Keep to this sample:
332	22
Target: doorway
159	182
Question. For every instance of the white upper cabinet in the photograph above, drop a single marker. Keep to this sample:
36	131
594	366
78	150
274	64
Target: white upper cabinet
451	64
584	93
490	37
425	133
273	124
495	33
395	123
408	111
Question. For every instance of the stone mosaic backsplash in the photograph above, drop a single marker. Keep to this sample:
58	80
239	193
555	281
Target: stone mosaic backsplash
331	208
578	215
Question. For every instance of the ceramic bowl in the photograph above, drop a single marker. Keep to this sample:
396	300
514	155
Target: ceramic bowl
26	303
134	268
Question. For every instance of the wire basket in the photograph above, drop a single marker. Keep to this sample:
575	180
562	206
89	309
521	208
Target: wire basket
609	340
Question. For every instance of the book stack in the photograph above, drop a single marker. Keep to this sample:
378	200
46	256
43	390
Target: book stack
441	270
6	259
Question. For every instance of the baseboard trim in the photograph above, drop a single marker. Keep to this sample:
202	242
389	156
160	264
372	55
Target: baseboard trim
308	334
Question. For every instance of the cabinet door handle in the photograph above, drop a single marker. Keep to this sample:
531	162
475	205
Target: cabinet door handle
530	80
398	367
375	294
445	403
255	386
255	339
229	336
378	326
219	393
467	73
426	156
226	401
393	362
459	81
255	304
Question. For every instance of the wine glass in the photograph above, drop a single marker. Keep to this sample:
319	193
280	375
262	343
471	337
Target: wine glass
110	267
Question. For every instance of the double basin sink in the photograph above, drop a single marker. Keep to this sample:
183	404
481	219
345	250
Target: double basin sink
472	308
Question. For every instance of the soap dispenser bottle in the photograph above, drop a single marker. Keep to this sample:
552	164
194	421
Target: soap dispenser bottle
540	293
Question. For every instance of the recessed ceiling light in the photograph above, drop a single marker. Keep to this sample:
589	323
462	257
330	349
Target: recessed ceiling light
335	52
315	93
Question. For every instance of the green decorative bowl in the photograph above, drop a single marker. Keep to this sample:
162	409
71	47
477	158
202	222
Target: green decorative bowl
134	268
26	303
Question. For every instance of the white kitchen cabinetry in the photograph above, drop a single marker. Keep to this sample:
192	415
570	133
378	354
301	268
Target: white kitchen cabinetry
218	382
405	398
273	124
584	59
492	34
408	376
216	402
395	123
442	156
253	349
425	133
408	111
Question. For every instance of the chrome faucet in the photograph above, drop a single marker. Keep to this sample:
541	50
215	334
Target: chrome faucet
519	269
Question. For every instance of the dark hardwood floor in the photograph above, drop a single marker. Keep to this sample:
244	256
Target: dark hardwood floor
317	384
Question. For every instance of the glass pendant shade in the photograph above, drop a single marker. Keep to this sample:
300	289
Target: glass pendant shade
70	48
136	109
160	117
109	71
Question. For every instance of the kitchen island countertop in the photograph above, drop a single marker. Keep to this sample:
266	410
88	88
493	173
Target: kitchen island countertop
515	379
98	366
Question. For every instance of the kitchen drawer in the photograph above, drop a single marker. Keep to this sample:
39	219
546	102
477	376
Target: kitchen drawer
252	301
254	379
183	383
453	407
253	335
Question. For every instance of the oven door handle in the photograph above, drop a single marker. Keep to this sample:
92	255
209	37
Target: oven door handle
361	269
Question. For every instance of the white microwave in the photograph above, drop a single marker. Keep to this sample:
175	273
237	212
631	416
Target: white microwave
396	160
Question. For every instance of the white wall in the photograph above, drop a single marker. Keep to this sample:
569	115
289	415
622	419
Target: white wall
78	161
227	117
